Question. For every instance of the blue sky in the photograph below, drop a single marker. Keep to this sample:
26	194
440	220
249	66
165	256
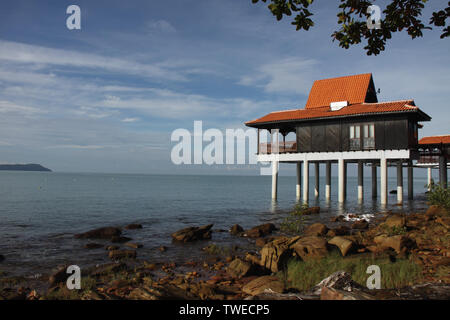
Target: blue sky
107	97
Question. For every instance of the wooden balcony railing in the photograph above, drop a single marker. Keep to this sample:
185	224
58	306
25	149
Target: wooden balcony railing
428	159
283	147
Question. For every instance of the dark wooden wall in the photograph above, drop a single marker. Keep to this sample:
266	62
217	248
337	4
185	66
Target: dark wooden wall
391	133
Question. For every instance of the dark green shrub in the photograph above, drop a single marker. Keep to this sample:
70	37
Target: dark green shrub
439	196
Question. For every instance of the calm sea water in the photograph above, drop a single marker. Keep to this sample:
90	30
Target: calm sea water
40	212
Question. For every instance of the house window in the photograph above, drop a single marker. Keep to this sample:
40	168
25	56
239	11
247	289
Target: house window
355	138
369	136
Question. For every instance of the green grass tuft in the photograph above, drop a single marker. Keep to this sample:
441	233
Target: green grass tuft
303	275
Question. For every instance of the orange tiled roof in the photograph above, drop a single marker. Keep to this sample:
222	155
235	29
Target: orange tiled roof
350	88
325	112
445	139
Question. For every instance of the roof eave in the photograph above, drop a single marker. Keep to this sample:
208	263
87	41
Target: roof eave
424	117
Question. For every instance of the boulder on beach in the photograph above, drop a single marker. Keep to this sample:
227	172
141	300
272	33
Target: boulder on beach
239	268
339	218
434	210
264	284
275	254
93	246
120	239
133	226
122	254
311	247
105	269
236	230
395	221
260	231
100	233
399	243
343	244
311	210
339	231
193	233
134	245
316	229
360	224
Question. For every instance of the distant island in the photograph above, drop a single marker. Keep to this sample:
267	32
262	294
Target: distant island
24	167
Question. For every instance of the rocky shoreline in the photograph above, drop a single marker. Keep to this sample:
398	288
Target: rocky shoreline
421	239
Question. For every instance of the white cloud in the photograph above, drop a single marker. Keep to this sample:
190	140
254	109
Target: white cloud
74	146
31	54
11	107
160	26
130	119
290	75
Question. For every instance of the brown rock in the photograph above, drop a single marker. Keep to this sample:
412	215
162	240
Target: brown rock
261	242
193	234
143	293
399	243
260	231
261	284
275	254
342	230
162	248
434	211
339	218
310	247
343	244
316	229
105	269
109	248
252	258
122	254
134	245
361	224
100	233
93	246
239	268
133	226
444	221
395	222
236	230
120	239
312	210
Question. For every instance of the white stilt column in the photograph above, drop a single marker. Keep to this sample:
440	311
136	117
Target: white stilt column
328	181
400	182
383	184
345	180
341	179
317	176
305	181
274	179
410	180
360	181
429	179
374	181
298	187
